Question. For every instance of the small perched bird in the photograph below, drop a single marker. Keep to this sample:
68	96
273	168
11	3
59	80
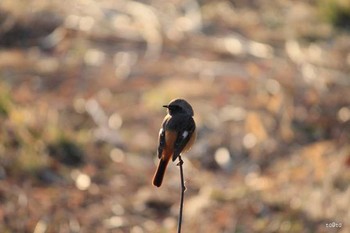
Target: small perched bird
177	134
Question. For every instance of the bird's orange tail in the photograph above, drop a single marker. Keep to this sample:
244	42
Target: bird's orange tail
158	176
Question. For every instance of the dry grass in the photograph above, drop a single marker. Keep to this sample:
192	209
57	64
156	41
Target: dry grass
81	90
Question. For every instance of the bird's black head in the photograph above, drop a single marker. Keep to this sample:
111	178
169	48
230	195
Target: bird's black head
179	106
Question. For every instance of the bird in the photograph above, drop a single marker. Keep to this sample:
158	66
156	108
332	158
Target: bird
176	135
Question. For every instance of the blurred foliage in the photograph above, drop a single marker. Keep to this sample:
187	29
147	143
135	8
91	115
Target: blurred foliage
82	86
5	100
66	152
336	12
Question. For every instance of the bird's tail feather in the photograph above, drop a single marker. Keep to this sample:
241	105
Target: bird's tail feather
158	176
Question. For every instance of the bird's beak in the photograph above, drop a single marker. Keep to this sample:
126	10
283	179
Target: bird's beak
165	106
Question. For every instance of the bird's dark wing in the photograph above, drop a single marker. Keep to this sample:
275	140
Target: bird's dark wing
161	139
185	127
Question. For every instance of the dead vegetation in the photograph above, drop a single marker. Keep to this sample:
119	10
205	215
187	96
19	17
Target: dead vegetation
81	89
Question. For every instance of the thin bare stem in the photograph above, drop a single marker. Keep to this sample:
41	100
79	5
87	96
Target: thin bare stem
183	189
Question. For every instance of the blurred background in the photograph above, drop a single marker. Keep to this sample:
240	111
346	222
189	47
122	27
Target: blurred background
82	84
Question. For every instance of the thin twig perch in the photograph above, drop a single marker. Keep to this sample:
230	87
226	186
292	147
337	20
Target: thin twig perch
183	189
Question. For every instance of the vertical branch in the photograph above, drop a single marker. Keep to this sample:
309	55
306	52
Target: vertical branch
183	189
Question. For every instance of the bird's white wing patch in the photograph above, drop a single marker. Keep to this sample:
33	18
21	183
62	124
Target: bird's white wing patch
160	131
185	134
